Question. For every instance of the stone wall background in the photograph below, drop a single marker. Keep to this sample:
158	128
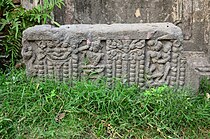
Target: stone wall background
191	15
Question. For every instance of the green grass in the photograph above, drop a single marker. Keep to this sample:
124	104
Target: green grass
29	107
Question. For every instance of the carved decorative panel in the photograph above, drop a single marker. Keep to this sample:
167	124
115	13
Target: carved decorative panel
142	54
92	59
125	59
52	59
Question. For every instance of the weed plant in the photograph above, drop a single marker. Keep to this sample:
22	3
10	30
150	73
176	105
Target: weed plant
30	108
15	20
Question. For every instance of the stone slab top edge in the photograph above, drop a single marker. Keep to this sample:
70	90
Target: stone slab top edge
160	31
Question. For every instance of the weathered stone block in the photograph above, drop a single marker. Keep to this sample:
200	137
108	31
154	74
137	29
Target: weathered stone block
197	68
143	54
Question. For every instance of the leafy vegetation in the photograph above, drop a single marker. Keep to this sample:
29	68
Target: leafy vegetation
16	19
89	109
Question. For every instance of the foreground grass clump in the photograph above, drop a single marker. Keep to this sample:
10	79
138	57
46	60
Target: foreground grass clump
89	109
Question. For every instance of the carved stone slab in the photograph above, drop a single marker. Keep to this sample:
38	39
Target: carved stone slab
143	54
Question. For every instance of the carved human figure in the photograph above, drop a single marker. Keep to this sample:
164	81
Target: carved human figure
92	52
30	57
41	49
152	55
164	62
91	59
157	62
27	53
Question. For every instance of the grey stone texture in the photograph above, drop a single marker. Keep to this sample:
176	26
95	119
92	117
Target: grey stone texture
197	68
144	54
192	16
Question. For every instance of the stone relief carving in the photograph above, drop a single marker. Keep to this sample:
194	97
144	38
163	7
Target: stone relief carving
125	59
92	58
158	57
29	57
178	65
51	58
145	62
